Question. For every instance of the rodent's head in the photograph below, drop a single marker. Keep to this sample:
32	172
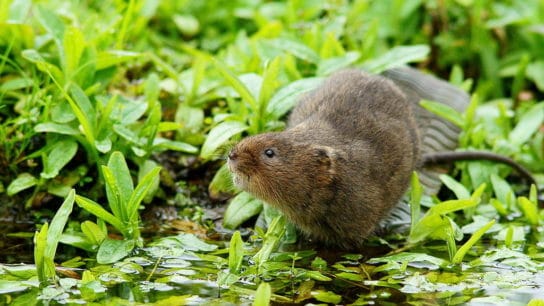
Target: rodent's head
281	170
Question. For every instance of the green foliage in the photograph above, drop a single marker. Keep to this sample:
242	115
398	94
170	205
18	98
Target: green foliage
87	89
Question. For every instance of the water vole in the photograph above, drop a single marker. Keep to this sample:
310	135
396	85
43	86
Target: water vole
346	157
343	162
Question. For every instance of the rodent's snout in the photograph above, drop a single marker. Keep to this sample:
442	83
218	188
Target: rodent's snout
232	155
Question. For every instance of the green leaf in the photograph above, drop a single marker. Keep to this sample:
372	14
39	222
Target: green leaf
459	189
330	65
73	46
97	210
52	127
111	58
528	124
240	209
61	153
15	84
236	84
236	253
295	48
51	22
44	268
530	210
22	182
396	57
191	118
288	96
119	185
415	199
327	297
167	144
262	295
93	232
219	135
44	252
191	243
111	250
140	192
458	258
535	72
271	240
443	111
221	182
269	84
9	286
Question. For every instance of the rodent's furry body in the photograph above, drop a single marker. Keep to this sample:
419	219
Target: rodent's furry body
343	162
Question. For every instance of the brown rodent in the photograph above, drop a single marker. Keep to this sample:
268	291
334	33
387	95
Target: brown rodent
343	162
345	158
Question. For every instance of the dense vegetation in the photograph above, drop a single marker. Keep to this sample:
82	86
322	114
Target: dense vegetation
130	104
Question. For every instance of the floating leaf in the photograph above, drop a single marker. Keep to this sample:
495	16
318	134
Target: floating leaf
111	250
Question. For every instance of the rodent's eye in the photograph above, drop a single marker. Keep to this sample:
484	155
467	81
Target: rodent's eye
269	153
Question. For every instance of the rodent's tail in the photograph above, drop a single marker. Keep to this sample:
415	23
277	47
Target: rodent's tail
449	157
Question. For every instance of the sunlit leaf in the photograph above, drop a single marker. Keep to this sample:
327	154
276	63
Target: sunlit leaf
241	208
219	135
113	250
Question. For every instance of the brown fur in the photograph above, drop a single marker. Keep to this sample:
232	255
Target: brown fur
343	162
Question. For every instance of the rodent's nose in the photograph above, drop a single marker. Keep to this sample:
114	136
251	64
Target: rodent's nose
233	155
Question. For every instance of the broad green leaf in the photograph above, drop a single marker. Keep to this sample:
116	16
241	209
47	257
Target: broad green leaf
119	185
530	210
528	124
61	153
236	84
410	258
18	11
240	209
396	57
22	182
221	182
502	190
111	250
191	243
458	258
78	240
288	96
127	134
93	232
191	118
140	192
295	48
443	111
330	65
262	295
97	210
219	135
535	72
52	127
148	166
51	22
327	297
16	84
236	253
111	58
11	286
460	191
167	144
271	240
36	58
116	201
73	46
269	83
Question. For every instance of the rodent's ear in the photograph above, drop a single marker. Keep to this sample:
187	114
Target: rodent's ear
326	156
